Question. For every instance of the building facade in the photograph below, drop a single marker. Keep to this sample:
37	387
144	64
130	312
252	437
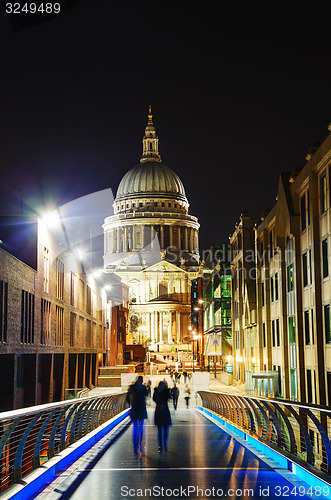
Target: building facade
53	329
151	243
289	314
217	321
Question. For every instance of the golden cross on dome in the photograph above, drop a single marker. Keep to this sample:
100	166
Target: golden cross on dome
150	116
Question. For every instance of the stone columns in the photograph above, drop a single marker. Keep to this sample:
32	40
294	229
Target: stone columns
178	326
162	237
169	326
161	326
118	239
156	326
152	237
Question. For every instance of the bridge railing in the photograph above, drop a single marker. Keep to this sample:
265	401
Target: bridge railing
301	430
31	436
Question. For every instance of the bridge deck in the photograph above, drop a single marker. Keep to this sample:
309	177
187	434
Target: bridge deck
201	456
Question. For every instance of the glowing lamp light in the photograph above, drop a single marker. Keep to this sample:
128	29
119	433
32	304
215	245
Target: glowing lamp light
240	359
107	287
51	219
229	358
253	361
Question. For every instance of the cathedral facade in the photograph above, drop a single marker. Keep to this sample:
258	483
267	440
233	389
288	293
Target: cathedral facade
151	243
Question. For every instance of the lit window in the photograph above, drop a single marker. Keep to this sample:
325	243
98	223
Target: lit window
323	193
325	258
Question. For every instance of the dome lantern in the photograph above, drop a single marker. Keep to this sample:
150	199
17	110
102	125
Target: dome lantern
150	141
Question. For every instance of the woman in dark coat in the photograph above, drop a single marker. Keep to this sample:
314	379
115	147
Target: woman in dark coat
162	417
136	397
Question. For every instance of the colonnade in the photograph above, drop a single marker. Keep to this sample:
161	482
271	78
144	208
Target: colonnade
166	326
128	238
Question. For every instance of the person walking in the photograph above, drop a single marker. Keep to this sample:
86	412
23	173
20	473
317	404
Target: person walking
175	395
149	392
162	418
136	397
187	395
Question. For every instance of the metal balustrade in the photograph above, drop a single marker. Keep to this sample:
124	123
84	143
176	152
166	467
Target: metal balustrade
31	436
301	431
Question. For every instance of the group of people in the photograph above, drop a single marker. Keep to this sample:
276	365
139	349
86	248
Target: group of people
176	376
136	397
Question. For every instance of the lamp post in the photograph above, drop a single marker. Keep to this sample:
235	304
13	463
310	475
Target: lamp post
195	337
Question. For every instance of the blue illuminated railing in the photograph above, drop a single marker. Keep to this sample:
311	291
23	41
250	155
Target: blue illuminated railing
301	431
31	436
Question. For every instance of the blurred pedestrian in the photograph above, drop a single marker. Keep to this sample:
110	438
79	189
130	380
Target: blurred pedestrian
175	395
136	397
162	418
187	395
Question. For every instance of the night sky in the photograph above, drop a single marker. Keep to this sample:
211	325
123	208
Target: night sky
238	95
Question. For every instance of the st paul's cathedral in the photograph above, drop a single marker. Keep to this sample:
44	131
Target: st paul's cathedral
151	244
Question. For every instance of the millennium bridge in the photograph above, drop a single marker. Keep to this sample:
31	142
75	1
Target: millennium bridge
223	446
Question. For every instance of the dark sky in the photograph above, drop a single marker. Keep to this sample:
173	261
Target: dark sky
238	96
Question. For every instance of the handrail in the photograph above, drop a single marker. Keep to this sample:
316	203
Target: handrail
31	436
300	430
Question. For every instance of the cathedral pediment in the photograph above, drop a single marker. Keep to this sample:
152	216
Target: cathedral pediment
164	267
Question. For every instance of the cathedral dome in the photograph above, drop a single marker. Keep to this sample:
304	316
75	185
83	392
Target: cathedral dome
151	178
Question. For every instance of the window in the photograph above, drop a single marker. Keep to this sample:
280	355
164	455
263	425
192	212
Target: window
3	310
262	294
45	322
27	318
323	193
304	269
325	258
273	333
59	326
73	327
263	335
88	300
327	324
73	289
291	329
272	288
307	330
290	278
309	387
277	333
59	266
293	383
276	287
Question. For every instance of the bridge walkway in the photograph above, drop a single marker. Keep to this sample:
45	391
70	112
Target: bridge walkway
203	461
